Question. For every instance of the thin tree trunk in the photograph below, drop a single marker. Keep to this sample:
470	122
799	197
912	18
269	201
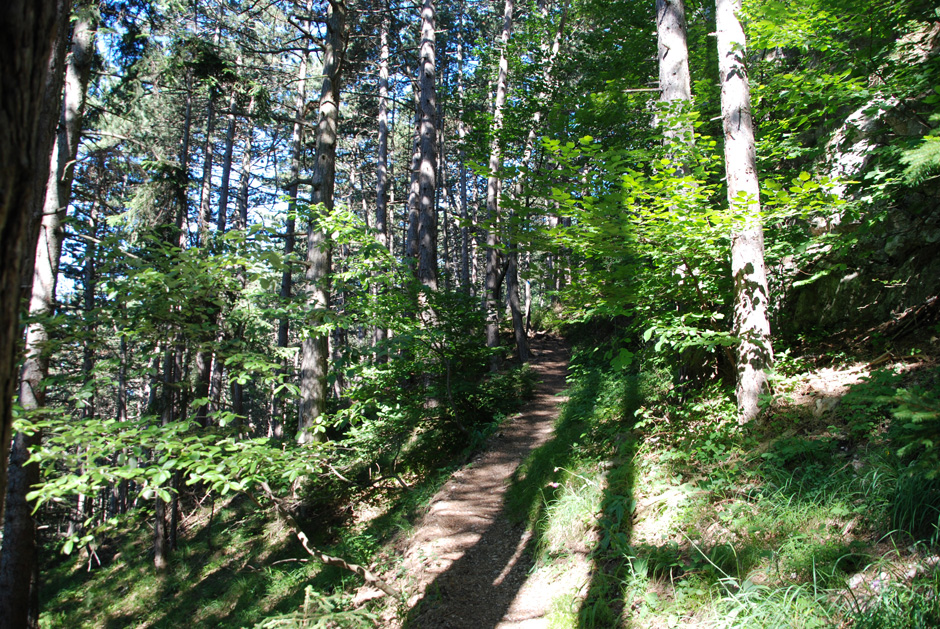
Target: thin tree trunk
411	235
493	258
427	165
244	180
222	219
90	287
182	177
528	293
297	133
19	595
160	551
381	176
751	323
315	348
241	223
205	192
218	367
443	201
518	320
461	158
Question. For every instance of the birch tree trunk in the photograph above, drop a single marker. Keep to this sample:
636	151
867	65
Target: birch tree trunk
751	324
315	349
19	533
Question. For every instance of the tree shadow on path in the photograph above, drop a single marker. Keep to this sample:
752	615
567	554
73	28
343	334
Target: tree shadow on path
473	556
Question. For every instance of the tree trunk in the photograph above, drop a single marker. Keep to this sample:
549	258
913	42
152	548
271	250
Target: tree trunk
381	176
205	192
20	550
493	258
182	177
751	324
427	164
90	288
30	58
315	349
412	216
297	135
244	180
222	219
674	81
461	157
515	307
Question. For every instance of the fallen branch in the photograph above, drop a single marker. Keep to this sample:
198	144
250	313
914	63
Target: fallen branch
330	560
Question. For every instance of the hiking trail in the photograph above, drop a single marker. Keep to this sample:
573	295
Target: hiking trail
466	565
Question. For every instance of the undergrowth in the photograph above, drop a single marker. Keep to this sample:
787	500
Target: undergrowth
239	566
800	520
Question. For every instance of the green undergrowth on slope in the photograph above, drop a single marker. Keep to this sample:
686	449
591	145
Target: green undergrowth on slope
237	565
820	514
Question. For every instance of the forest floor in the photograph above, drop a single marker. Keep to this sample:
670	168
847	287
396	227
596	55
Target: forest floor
467	563
612	499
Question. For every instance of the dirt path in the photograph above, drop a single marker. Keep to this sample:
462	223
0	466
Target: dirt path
466	564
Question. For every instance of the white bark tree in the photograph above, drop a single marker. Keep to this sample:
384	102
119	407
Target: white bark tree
751	324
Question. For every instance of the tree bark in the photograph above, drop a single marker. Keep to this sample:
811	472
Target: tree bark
28	32
515	307
222	219
315	349
427	164
205	192
674	81
19	535
493	257
381	178
461	158
297	135
380	334
751	323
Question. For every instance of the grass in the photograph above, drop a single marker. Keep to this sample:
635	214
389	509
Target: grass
684	518
254	572
800	521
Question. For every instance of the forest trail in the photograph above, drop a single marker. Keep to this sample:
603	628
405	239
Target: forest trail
466	564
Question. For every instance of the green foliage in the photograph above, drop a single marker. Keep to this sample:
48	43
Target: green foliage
900	605
922	161
917	425
321	612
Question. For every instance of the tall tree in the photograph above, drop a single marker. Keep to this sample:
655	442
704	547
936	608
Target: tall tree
494	270
675	84
19	553
751	324
427	149
381	174
315	349
29	30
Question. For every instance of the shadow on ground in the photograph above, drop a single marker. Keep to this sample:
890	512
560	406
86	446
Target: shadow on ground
479	554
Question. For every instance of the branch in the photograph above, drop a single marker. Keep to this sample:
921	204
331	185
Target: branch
330	560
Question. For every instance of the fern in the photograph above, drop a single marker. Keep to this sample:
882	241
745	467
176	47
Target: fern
923	160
